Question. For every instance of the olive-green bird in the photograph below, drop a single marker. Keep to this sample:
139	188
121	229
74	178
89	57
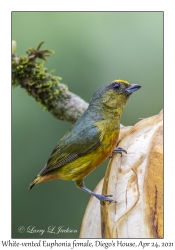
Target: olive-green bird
91	140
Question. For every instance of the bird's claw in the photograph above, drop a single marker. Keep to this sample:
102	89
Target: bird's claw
119	151
118	143
107	195
103	199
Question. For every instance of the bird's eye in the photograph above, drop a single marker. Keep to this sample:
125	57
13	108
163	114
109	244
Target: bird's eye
116	85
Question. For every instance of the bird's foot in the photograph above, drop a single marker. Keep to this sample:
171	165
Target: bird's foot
104	198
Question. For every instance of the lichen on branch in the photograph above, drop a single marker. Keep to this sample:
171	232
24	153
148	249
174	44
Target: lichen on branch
29	73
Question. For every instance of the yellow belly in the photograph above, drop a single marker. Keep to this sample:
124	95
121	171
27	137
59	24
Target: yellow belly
82	166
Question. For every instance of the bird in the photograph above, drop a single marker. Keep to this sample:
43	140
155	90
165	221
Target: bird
91	140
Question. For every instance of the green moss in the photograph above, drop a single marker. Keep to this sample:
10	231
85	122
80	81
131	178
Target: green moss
30	74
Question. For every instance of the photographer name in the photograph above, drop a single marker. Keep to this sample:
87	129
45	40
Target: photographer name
51	230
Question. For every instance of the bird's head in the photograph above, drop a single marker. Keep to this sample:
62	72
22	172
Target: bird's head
114	95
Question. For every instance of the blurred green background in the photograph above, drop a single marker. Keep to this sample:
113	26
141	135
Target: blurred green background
91	48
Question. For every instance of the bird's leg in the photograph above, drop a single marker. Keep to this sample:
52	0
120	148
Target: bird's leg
102	198
118	150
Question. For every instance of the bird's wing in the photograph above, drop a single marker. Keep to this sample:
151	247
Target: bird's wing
73	145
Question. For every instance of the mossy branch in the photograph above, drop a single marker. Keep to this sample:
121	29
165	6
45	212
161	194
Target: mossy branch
29	73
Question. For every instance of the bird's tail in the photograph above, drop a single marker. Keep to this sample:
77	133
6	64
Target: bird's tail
35	181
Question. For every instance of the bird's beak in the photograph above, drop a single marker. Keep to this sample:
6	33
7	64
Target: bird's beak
132	88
